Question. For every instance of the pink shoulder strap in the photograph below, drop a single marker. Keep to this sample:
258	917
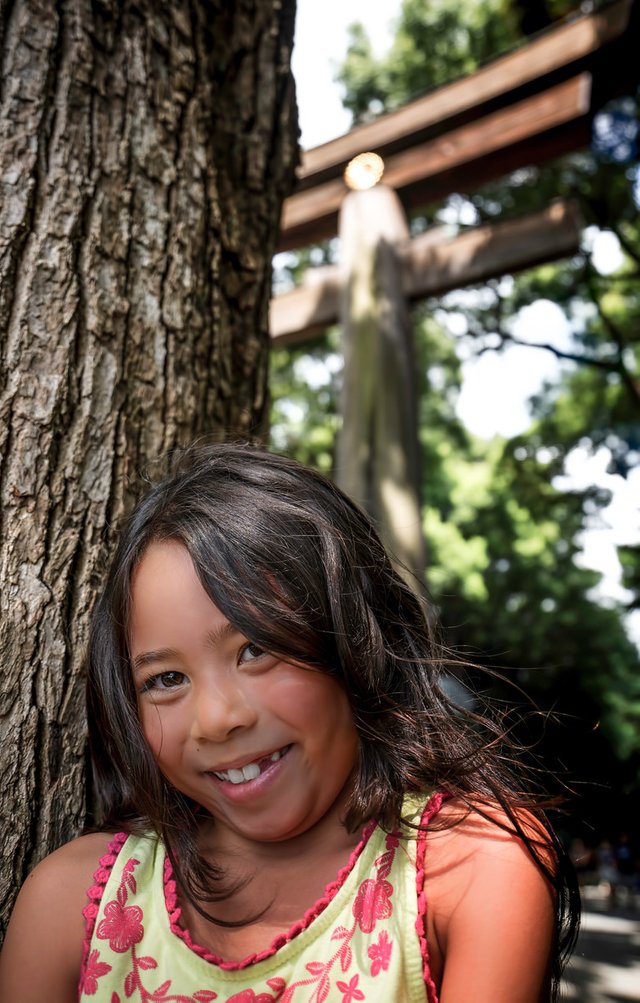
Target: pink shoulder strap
431	808
95	893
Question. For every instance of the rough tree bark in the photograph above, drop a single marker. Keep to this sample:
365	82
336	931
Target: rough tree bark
145	149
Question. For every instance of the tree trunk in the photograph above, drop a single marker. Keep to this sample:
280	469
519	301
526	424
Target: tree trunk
145	149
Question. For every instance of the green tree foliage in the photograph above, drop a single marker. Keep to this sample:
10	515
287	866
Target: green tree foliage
435	41
304	391
502	536
430	35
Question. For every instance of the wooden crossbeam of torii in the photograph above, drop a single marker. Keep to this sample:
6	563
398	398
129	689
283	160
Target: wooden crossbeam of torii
433	265
524	108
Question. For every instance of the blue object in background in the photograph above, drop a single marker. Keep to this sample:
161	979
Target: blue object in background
614	136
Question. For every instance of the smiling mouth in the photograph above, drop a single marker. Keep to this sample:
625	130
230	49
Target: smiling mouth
251	771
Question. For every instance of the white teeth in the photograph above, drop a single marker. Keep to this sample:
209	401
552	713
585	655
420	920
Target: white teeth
249	772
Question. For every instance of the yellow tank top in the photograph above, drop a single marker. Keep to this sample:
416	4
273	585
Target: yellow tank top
363	941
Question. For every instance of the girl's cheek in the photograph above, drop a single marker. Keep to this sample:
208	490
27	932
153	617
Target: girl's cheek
152	730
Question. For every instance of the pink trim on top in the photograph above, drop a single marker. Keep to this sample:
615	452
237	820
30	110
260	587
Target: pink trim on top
174	911
432	807
94	894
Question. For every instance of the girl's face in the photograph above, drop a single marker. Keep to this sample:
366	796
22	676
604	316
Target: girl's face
267	747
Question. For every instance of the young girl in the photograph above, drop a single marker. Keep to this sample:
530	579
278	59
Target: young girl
291	808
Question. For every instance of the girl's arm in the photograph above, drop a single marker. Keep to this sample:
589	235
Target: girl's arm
42	952
490	915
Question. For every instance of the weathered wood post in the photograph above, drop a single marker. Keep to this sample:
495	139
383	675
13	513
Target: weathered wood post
378	452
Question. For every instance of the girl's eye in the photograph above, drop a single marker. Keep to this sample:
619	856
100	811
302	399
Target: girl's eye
250	652
163	681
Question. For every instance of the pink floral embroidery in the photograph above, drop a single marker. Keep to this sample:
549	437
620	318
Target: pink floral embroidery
95	968
372	903
250	996
380	953
122	926
351	991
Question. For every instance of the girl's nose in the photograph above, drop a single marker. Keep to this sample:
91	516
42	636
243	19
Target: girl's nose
218	711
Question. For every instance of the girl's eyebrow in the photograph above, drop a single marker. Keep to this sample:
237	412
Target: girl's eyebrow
216	636
148	657
222	633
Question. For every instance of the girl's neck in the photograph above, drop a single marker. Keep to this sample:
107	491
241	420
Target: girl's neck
277	883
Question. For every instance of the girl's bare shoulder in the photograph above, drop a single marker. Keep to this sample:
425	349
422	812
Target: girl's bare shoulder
61	879
47	924
469	848
487	827
483	890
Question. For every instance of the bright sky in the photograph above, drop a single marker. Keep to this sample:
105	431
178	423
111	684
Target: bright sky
496	386
320	46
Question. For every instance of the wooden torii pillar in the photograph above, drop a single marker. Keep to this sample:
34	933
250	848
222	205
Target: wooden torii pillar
526	107
378	449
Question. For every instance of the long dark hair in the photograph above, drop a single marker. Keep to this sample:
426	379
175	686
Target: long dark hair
298	568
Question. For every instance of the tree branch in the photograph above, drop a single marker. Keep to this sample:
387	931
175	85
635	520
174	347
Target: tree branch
616	335
584	360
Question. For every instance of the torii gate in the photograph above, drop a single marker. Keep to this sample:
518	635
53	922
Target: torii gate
526	107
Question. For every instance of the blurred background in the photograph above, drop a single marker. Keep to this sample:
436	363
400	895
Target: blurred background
528	399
